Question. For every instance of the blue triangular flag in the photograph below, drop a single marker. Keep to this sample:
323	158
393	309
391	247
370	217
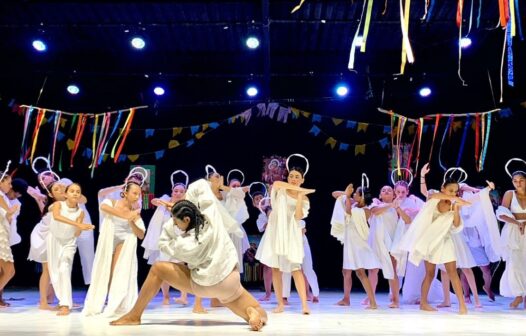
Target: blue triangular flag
194	129
159	154
343	146
189	142
316	118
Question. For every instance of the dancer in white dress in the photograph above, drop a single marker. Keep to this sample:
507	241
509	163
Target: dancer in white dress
349	226
115	267
513	213
210	257
429	239
281	246
65	226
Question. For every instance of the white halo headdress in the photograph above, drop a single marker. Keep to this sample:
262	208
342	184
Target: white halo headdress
235	170
208	169
510	161
47	173
265	193
449	173
365	182
46	160
4	173
400	174
179	172
139	171
275	162
260	204
301	156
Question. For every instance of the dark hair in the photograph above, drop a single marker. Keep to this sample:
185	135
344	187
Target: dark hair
518	172
185	208
366	194
127	187
402	183
449	181
74	183
179	184
19	185
298	169
50	198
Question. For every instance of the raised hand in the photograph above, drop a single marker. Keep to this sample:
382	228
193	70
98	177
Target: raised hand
491	185
425	169
349	190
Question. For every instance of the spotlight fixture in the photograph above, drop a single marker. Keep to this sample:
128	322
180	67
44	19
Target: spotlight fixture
159	91
138	43
39	45
73	89
252	91
252	42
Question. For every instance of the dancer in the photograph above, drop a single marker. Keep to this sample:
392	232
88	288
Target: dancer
211	259
513	213
349	226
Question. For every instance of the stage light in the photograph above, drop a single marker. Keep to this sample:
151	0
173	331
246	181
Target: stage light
252	91
158	91
138	43
425	91
342	90
252	42
73	89
39	45
465	42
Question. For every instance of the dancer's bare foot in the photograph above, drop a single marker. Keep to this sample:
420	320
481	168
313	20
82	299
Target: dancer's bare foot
478	305
166	301
279	309
305	310
181	301
394	305
365	302
63	311
489	293
427	307
199	309
515	303
265	298
444	304
315	299
372	306
126	320
467	299
462	310
254	319
4	304
286	301
46	307
344	302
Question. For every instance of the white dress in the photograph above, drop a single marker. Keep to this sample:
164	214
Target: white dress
234	202
381	236
153	232
353	232
282	243
5	233
513	280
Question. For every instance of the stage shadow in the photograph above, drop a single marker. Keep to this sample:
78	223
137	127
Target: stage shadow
196	323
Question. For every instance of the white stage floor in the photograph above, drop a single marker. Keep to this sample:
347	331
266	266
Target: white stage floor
23	317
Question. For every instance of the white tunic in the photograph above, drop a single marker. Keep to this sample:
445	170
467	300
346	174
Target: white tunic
381	236
234	202
151	240
5	232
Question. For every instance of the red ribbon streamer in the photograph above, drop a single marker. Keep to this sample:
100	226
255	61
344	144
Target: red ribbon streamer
78	136
121	145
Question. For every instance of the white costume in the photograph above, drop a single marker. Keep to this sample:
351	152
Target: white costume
513	280
381	237
123	290
153	232
8	234
38	248
282	243
234	202
307	265
61	247
352	231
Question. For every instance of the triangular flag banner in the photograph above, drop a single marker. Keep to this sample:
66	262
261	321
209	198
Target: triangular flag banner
387	129
359	149
351	124
70	144
343	146
205	127
63	123
199	135
44	120
305	114
316	118
173	143
337	121
122	158
457	125
189	142
362	127
295	113
505	113
149	133
425	128
176	131
105	157
133	157
231	120
60	136
411	129
87	153
213	125
331	141
159	154
384	142
314	130
194	129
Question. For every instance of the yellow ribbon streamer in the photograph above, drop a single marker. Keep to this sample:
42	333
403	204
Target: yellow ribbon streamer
120	135
94	142
297	7
33	147
367	23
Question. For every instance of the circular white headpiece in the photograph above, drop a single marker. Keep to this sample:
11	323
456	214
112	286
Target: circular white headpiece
463	175
260	204
365	182
398	171
46	160
273	162
4	173
265	193
179	172
510	161
301	156
140	171
209	168
235	170
47	173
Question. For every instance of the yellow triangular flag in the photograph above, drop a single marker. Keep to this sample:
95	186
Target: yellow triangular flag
457	125
176	130
359	149
133	157
337	121
331	141
411	129
70	143
199	135
305	114
362	127
63	122
205	126
44	120
173	144
105	157
295	111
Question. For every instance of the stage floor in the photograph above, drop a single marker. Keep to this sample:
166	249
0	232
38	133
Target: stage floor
23	317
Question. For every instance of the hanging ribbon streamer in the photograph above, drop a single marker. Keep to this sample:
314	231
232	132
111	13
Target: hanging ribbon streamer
460	7
123	130
448	125
477	138
55	135
479	13
463	141
367	24
408	166
385	8
111	136
518	17
75	117
437	119
470	17
401	124
297	7
102	139
93	145
128	125
502	65
40	119
23	147
509	38
431	10
350	66
483	135
504	14
78	137
393	146
486	140
420	130
426	7
407	52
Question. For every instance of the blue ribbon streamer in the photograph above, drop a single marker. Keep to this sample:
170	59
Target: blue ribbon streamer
463	142
442	143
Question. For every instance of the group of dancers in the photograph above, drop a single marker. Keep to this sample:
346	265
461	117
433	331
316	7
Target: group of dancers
195	241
